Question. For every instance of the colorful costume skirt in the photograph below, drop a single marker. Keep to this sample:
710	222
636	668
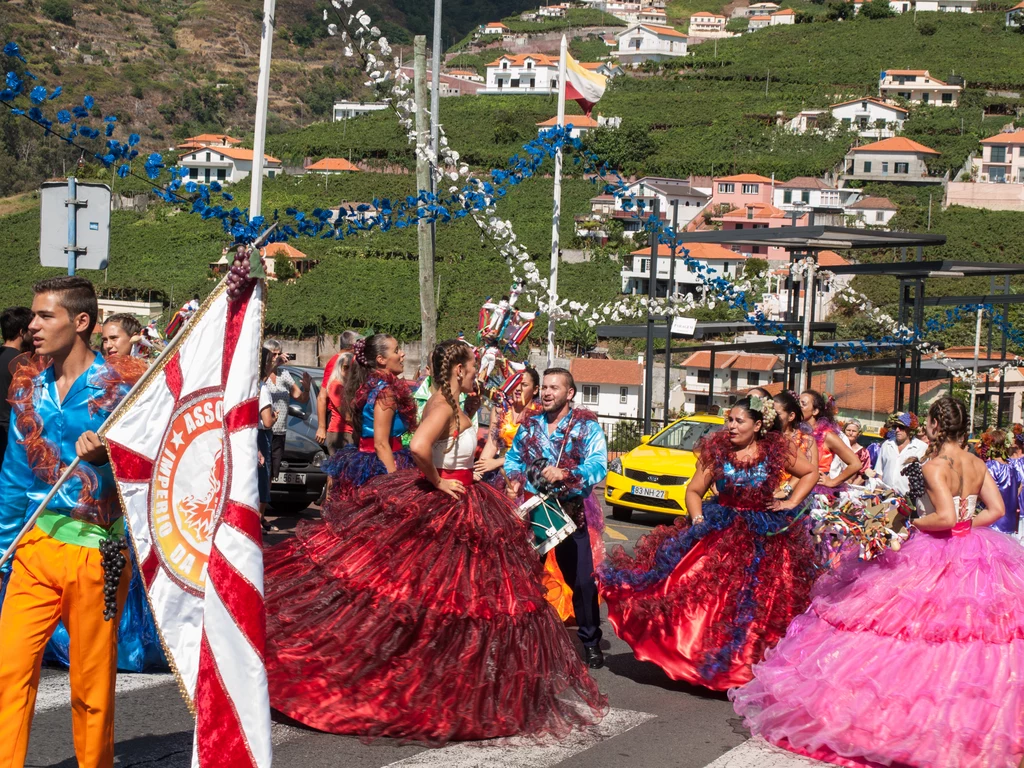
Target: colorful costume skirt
704	602
412	615
916	658
351	468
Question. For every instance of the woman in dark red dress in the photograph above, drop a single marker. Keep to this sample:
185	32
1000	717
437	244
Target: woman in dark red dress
705	598
417	612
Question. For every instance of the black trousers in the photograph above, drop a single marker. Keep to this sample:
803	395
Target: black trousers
576	561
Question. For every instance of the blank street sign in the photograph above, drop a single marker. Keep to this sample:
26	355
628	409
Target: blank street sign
93	225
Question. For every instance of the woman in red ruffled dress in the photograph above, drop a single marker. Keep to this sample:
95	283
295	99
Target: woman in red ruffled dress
705	598
416	612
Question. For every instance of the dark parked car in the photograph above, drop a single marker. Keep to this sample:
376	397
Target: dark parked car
301	480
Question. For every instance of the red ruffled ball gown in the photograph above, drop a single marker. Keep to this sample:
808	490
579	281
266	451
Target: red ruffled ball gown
413	615
915	658
704	602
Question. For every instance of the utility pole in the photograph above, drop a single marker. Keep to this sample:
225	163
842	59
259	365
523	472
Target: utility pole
652	291
435	96
556	216
428	309
262	92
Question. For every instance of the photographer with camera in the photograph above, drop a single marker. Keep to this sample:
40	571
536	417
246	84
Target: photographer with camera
282	388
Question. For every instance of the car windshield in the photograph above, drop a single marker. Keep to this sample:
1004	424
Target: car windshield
683	435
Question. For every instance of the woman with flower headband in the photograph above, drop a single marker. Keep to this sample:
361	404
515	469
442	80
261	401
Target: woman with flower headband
420	615
994	449
820	415
705	598
915	658
381	409
791	425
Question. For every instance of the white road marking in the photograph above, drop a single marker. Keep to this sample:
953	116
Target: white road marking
523	753
758	753
55	690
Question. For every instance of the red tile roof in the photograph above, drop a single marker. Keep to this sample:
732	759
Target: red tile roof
519	59
702	251
870	394
622	372
761	211
332	164
896	144
726	360
786	12
282	249
1017	137
659	30
705	14
873	203
831	259
744	177
234	153
206	138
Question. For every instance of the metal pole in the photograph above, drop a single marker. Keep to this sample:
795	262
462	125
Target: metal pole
72	205
668	318
556	215
259	140
808	311
651	293
974	380
711	383
428	310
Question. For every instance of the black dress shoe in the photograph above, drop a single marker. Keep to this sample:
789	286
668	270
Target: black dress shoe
594	657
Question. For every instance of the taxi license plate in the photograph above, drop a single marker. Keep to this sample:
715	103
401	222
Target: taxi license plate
651	493
290	478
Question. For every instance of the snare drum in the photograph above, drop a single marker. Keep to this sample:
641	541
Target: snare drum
549	525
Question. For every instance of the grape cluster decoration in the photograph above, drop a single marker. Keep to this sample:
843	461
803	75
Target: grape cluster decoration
242	274
114	562
915	481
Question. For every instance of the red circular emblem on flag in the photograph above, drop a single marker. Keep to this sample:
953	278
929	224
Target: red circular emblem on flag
188	490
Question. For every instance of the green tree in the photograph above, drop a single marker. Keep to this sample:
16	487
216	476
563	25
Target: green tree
60	11
284	268
624	147
625	436
755	269
578	333
877	9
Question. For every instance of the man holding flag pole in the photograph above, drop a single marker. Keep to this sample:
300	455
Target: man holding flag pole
586	88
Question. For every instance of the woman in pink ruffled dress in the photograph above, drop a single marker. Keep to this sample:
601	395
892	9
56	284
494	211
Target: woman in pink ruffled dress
916	658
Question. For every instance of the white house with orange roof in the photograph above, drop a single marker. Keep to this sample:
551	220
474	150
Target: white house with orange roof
824	203
553	11
465	74
1015	16
755	9
493	28
612	388
759	21
740	189
917	86
734	373
535	73
581	124
225	164
871	118
898	161
649	42
636	273
871	211
650	15
607	68
675	197
705	24
775	19
208	140
828	288
330	166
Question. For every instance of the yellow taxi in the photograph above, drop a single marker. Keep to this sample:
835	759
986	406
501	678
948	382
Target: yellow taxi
653	476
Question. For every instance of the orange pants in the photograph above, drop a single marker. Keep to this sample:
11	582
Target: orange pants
50	581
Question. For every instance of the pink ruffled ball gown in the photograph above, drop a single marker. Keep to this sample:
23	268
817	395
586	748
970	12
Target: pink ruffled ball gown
916	658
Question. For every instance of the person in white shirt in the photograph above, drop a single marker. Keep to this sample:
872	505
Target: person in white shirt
901	446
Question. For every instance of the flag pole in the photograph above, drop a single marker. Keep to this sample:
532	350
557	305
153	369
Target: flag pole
259	140
172	346
557	213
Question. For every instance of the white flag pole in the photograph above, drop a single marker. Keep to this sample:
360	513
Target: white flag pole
557	214
262	90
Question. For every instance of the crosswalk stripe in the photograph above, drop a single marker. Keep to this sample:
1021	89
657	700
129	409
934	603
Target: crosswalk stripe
758	753
613	534
55	690
522	752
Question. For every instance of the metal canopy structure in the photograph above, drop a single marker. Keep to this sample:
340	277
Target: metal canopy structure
814	238
801	242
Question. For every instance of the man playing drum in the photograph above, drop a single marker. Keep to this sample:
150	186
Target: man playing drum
564	449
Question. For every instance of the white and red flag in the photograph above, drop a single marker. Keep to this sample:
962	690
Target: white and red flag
183	451
583	85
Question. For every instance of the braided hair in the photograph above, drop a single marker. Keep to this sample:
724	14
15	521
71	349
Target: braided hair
364	362
443	360
950	419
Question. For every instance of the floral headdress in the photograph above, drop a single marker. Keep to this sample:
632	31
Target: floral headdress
907	420
766	407
1018	434
995	444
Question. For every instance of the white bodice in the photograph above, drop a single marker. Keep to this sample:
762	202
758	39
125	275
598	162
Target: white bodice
458	457
964	511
